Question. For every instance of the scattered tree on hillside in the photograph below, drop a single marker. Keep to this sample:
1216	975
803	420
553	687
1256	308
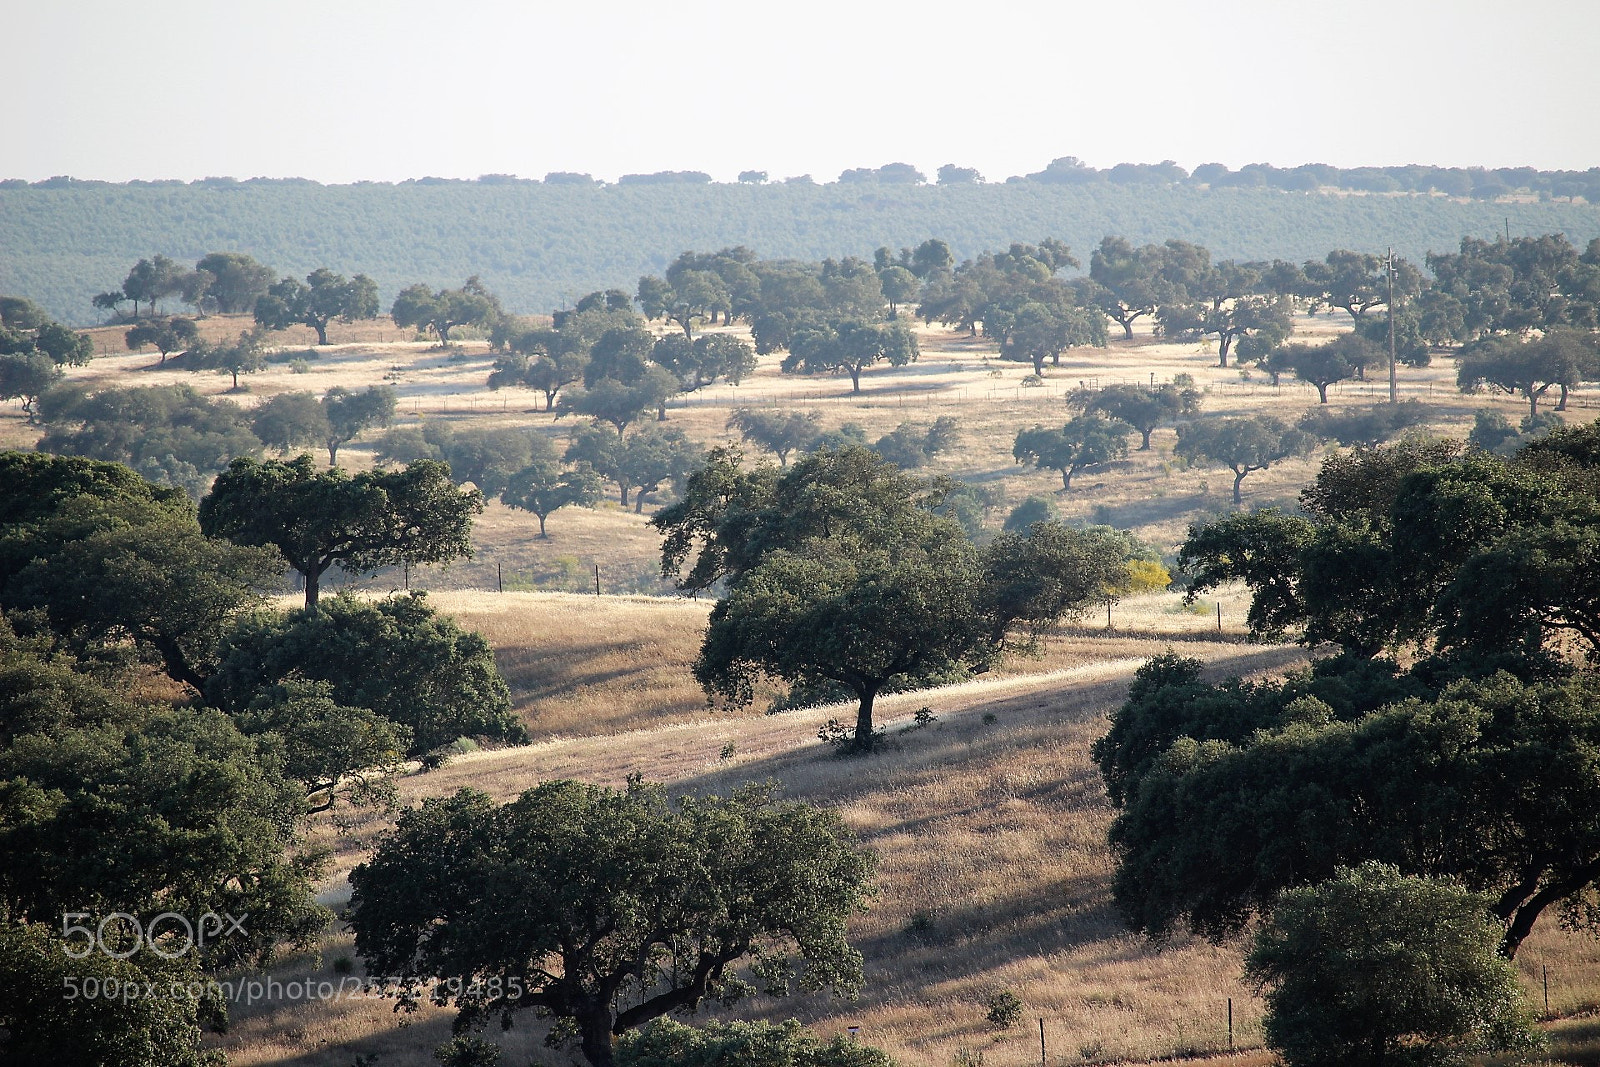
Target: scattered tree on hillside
237	281
1142	408
850	347
323	297
349	414
246	355
1365	427
27	378
1346	356
167	335
841	572
1243	445
288	421
321	518
1085	441
1562	358
169	434
443	310
543	487
778	432
680	893
151	280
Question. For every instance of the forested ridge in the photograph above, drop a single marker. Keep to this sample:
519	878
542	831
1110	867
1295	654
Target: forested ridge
540	245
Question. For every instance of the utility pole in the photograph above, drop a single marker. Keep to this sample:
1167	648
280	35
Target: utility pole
1394	388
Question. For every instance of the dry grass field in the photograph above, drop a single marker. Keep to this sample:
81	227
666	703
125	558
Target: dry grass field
994	870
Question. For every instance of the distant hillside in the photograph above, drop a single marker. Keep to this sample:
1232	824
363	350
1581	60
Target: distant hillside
541	244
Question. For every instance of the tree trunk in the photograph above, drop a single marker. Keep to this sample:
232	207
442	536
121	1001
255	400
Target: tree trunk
855	379
333	453
1561	405
1127	329
177	664
595	1039
624	495
235	388
542	535
1322	392
864	738
1533	403
313	588
1038	366
1145	445
322	332
1224	346
661	412
1066	479
1238	477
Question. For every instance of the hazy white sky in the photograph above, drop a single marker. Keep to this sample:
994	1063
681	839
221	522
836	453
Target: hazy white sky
342	90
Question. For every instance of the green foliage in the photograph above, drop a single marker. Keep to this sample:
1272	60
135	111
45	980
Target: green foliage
543	487
842	573
27	378
329	748
350	414
167	335
396	657
1366	427
210	809
467	1051
321	518
1004	1010
322	298
572	892
42	1026
246	355
850	346
1243	445
1373	967
170	434
778	432
1480	557
237	281
911	445
1033	509
1214	827
665	1042
1143	409
287	421
443	310
1085	441
1561	358
536	242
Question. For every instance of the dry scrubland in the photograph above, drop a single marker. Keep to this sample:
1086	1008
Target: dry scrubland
994	870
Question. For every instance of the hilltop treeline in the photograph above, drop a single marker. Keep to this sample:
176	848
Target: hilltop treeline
540	245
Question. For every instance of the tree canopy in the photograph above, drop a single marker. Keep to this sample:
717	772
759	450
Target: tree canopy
321	518
607	909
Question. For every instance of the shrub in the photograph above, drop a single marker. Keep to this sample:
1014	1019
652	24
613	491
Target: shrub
1005	1009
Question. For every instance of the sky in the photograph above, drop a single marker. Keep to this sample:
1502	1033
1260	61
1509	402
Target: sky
384	90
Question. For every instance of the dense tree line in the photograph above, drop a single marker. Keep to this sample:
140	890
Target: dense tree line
66	241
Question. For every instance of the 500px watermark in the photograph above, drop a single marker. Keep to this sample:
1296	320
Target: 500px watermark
127	933
260	990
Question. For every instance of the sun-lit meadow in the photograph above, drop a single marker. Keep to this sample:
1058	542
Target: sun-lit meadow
990	823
